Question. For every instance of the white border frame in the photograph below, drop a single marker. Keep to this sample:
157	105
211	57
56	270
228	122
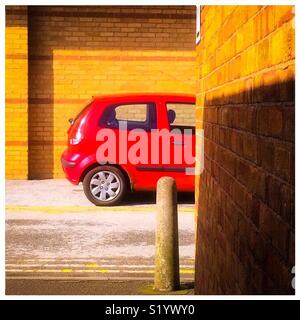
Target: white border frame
198	24
2	153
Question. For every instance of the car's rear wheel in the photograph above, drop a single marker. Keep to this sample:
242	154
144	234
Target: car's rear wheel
104	186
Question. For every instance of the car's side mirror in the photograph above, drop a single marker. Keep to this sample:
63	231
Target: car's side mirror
71	121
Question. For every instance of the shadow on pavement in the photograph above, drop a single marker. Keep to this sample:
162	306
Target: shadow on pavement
140	198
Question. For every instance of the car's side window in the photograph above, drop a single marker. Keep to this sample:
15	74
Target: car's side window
131	112
136	116
181	115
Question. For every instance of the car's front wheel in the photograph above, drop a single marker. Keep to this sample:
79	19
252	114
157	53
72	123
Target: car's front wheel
104	185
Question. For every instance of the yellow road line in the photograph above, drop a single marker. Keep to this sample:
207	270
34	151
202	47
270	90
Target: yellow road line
89	266
92	265
84	209
186	271
103	271
181	271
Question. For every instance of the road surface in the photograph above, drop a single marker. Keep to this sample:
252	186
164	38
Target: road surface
54	233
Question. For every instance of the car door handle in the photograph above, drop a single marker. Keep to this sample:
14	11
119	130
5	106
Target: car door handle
178	143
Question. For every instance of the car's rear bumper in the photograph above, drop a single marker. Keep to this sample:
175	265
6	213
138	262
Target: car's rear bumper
71	165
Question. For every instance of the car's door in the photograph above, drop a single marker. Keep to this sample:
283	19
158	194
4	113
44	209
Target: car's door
181	118
132	123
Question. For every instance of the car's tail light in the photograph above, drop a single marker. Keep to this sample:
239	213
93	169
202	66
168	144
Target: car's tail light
76	135
77	139
76	129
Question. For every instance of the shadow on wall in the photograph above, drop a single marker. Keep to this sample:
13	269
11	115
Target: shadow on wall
40	105
246	213
60	36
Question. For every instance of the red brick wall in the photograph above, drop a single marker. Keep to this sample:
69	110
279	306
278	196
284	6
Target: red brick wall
245	195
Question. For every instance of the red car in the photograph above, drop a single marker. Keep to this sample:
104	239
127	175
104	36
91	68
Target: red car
127	142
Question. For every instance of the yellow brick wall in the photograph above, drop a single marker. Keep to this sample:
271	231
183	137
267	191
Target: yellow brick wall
78	52
16	65
245	195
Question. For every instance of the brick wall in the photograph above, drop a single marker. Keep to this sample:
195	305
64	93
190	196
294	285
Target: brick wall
78	52
16	96
245	195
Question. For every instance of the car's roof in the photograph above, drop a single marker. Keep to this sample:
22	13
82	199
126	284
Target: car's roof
147	95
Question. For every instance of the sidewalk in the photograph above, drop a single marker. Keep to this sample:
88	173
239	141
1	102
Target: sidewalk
60	195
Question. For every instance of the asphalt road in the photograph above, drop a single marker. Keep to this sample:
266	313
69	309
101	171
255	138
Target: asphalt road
54	234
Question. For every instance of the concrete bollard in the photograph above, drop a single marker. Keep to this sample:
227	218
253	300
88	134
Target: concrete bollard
166	243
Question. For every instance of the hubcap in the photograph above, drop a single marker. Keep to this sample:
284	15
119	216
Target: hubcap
105	185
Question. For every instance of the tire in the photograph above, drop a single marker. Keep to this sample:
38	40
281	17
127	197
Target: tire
104	186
